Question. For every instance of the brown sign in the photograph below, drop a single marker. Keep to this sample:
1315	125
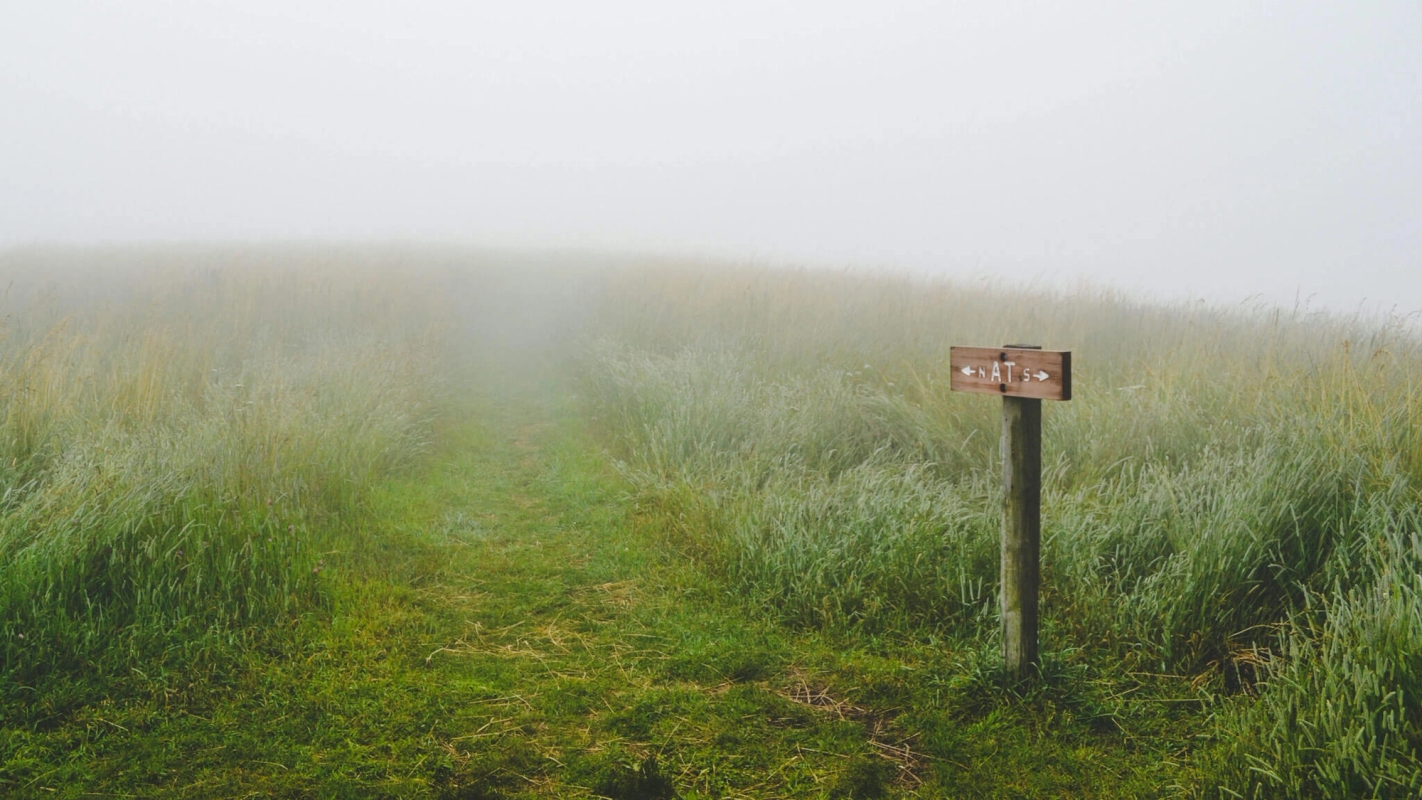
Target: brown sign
1012	372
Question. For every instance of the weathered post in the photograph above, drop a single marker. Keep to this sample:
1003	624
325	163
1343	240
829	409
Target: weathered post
1023	375
1021	530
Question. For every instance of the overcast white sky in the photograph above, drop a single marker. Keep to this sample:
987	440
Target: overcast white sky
1194	148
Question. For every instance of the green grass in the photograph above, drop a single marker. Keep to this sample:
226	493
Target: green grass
1230	496
452	525
506	623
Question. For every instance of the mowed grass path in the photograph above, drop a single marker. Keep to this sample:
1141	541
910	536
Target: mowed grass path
503	626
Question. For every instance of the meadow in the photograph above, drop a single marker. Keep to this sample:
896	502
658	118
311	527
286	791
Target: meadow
1231	495
225	465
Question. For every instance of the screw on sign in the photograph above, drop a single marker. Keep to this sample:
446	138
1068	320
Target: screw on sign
1024	375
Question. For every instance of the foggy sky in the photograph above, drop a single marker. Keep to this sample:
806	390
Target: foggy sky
1224	150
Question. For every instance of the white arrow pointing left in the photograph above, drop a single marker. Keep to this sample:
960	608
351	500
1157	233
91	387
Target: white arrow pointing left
967	370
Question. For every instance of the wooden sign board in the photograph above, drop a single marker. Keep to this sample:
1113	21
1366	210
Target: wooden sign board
1012	372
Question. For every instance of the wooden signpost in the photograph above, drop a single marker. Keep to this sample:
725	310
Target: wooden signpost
1024	375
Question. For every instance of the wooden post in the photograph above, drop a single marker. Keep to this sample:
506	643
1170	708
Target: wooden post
1021	532
1023	375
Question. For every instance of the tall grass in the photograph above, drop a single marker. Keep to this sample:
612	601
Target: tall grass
1231	493
173	427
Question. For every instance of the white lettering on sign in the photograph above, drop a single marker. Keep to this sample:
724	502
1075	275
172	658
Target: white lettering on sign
1027	376
997	374
1012	372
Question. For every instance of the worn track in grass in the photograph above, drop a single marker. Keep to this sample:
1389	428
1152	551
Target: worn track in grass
502	626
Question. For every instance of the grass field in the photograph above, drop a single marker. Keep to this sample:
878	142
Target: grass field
435	523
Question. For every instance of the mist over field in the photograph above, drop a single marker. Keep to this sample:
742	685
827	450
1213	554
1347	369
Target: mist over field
1238	152
441	522
552	400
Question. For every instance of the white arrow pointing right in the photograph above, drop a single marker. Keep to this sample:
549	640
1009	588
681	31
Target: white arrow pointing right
1041	376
